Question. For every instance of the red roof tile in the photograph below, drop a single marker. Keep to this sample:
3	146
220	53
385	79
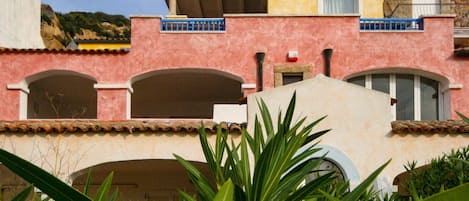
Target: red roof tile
69	51
96	126
430	127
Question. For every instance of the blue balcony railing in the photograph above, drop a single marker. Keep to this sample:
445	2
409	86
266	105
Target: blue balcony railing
391	24
193	24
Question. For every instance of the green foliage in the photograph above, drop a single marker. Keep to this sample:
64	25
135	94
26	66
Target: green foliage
458	193
443	172
102	193
281	163
50	185
23	195
73	22
362	192
45	18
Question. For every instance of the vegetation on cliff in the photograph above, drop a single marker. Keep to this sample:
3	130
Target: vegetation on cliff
58	29
104	25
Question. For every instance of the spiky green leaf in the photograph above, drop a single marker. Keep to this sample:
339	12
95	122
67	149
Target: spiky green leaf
103	190
226	192
23	195
50	185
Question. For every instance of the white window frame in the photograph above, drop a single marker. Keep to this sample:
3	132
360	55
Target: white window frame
417	98
359	6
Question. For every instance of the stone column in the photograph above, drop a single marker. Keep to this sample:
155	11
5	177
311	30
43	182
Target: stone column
172	7
113	101
173	11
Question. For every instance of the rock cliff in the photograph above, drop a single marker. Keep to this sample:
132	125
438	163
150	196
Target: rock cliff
57	29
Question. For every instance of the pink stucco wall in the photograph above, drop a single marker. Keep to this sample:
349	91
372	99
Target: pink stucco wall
234	51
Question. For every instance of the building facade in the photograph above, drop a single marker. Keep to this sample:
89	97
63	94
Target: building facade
129	111
21	24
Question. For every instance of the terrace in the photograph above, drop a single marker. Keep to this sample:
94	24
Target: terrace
459	10
219	25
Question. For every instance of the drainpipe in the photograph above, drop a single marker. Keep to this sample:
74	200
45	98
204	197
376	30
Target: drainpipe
260	61
328	54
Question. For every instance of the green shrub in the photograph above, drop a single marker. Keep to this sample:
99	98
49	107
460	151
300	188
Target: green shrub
45	18
443	172
73	22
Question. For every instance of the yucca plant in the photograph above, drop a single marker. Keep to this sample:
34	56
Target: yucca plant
281	161
53	187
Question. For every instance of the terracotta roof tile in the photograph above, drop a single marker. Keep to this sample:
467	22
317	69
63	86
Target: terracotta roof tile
430	127
93	126
68	51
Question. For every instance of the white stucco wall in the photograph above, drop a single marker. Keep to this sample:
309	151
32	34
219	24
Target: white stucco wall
65	154
233	113
360	119
20	24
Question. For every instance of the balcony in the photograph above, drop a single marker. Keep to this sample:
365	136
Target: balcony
459	10
391	24
219	25
193	25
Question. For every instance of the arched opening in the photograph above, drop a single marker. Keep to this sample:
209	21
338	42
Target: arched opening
61	95
10	184
420	95
142	179
183	93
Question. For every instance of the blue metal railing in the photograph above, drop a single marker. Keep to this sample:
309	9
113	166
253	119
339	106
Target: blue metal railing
391	24
193	24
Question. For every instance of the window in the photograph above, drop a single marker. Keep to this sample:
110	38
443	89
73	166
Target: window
284	75
288	78
325	167
339	6
418	98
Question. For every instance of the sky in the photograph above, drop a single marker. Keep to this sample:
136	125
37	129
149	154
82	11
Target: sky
123	7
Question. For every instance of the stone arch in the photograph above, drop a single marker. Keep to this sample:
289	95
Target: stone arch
148	74
150	179
182	93
48	73
59	94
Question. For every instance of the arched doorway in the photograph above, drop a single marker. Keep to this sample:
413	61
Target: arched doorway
142	179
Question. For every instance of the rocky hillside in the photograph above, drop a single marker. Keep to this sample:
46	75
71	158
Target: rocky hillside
58	29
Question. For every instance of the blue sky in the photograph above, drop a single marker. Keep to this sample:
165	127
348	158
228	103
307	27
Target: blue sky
123	7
